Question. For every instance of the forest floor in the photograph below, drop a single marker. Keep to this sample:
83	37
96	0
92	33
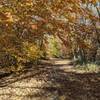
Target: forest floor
55	79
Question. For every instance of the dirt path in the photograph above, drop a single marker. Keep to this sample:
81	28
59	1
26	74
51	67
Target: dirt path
53	80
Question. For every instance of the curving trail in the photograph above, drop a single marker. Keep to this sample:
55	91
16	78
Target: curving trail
52	80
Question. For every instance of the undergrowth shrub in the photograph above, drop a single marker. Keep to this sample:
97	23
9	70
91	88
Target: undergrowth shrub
31	51
14	53
7	60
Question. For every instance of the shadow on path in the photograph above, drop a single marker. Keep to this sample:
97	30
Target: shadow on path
58	84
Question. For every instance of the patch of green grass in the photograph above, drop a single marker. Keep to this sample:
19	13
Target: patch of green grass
89	68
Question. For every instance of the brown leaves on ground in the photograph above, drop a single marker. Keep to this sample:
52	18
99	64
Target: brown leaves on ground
50	82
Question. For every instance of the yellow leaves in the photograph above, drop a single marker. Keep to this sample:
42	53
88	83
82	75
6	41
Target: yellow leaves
31	50
72	17
29	4
53	13
26	3
8	17
84	1
1	6
90	1
93	1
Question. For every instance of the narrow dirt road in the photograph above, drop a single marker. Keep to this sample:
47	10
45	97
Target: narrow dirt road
52	80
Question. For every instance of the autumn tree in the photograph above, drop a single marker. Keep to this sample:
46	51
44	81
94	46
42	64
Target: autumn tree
72	21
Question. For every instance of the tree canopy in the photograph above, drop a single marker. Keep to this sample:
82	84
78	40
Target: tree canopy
74	22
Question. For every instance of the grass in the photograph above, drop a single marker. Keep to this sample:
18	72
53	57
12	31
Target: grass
89	68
